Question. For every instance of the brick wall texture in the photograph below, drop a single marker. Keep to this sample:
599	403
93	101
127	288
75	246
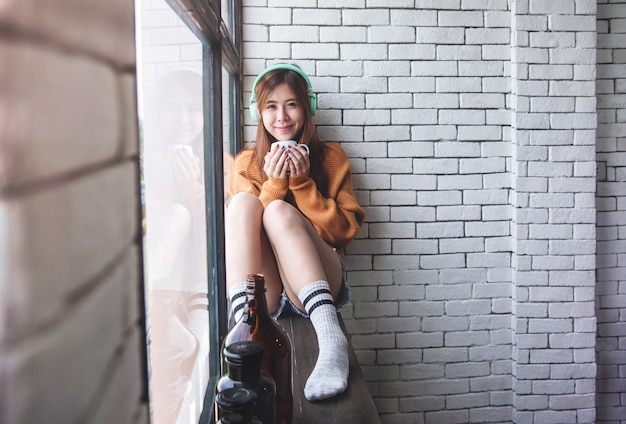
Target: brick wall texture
487	141
487	146
70	273
611	212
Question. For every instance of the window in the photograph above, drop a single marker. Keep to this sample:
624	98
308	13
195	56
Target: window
188	77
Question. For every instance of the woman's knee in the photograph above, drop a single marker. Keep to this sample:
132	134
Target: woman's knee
281	215
244	206
178	220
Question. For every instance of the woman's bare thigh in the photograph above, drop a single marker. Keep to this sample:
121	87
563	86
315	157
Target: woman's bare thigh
292	235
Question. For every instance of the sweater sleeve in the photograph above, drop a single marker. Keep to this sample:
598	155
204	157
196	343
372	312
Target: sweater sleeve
243	181
248	179
336	217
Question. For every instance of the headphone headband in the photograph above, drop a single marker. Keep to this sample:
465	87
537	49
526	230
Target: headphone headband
254	111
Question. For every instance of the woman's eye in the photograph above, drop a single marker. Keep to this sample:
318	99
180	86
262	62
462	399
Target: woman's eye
292	105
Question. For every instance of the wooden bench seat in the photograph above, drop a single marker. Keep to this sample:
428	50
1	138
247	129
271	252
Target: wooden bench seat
354	406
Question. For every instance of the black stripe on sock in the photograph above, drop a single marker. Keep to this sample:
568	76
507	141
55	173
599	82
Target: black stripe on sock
237	296
315	293
238	307
318	304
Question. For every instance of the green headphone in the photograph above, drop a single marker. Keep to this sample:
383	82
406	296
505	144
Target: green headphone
254	110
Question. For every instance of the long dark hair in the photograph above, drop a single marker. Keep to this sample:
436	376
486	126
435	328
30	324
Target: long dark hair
308	135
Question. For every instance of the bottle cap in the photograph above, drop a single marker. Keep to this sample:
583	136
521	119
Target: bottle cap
242	352
235	398
255	283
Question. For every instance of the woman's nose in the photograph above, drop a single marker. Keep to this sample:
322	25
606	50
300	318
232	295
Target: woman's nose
281	114
178	115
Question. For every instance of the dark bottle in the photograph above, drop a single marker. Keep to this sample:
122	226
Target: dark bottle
243	361
233	419
236	405
257	325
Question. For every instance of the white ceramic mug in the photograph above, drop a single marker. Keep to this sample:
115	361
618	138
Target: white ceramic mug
292	143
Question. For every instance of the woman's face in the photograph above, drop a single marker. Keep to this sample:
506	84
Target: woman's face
282	115
184	119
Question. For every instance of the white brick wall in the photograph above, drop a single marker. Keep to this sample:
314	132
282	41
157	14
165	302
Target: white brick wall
475	127
611	206
549	253
471	127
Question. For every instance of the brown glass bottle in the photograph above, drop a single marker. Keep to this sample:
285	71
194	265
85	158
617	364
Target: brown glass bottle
243	361
236	406
257	325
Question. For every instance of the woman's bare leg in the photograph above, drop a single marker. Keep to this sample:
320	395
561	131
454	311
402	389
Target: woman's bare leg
311	273
168	238
247	248
302	255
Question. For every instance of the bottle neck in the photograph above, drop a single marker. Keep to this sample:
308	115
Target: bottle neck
255	292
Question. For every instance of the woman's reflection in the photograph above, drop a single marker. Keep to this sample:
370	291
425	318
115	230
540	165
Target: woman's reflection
175	237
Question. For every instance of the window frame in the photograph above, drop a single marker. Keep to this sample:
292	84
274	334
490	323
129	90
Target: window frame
220	48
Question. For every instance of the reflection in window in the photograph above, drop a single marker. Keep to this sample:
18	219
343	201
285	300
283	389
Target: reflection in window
227	16
175	246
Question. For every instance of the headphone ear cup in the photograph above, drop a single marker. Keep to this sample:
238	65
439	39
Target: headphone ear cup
313	103
254	112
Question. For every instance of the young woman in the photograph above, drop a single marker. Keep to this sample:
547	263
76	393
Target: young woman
290	218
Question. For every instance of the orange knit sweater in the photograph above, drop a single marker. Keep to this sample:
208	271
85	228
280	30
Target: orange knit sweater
337	218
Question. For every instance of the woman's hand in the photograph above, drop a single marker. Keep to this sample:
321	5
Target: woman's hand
175	167
185	167
276	164
298	160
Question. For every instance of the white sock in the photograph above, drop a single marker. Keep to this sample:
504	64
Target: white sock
237	295
330	375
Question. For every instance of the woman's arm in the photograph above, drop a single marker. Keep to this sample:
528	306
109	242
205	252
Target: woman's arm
248	179
336	217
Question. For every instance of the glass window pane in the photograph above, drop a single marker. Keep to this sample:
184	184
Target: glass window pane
227	14
170	84
228	115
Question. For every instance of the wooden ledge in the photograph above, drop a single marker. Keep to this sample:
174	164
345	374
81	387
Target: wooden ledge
354	406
